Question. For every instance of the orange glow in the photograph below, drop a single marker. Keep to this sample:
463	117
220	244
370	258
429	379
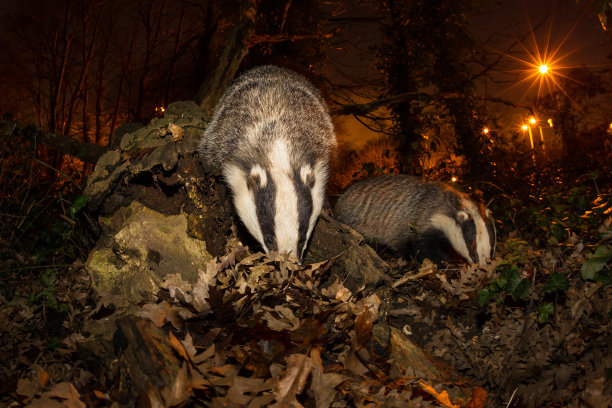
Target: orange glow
485	130
543	69
550	123
524	127
532	120
453	179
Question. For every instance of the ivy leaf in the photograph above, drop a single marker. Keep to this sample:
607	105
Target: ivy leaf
545	310
604	277
556	281
590	267
510	278
484	296
78	204
521	289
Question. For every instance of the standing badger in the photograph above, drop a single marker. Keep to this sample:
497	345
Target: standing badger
416	217
271	137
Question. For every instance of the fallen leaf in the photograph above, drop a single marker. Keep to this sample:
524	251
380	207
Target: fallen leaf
189	347
27	388
157	313
68	393
180	389
43	376
178	346
441	397
292	383
177	132
286	320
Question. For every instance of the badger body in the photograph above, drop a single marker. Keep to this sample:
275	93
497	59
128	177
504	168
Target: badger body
417	217
271	136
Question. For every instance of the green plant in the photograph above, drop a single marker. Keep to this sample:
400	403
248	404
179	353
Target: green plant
516	251
545	310
509	283
46	297
595	267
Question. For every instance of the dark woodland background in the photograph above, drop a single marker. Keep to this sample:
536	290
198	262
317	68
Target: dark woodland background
413	71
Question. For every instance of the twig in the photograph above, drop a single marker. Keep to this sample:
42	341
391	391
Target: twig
407	278
511	397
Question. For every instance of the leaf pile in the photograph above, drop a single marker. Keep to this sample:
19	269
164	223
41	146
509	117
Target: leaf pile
259	330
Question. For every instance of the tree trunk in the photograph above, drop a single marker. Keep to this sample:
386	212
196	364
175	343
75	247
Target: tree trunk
237	47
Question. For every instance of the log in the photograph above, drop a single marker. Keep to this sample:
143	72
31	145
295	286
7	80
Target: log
88	152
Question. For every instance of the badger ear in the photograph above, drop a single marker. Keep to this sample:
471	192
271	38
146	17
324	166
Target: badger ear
307	176
462	216
257	178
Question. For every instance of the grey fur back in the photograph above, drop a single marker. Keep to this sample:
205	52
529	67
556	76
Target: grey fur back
275	98
393	208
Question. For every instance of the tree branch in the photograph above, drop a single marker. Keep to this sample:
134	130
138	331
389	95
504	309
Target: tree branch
365	108
276	38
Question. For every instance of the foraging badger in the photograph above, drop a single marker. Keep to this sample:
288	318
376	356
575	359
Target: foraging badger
271	136
418	217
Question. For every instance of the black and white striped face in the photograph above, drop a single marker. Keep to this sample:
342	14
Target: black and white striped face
471	233
280	204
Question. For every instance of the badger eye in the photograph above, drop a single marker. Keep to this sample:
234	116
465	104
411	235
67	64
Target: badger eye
307	176
253	181
257	178
463	216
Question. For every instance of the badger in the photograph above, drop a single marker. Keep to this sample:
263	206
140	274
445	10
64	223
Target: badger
271	137
418	218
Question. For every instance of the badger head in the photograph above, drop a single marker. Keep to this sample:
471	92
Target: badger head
471	232
278	202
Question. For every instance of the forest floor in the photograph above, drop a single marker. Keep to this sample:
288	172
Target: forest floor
530	330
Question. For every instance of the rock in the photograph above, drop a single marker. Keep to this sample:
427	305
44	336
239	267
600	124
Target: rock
357	264
143	247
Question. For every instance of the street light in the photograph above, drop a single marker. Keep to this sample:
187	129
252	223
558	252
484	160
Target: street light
543	69
532	120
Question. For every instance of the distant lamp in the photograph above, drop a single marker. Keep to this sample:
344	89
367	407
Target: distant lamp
485	130
550	122
453	179
524	127
543	69
532	120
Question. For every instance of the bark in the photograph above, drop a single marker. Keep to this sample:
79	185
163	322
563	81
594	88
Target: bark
87	152
237	47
